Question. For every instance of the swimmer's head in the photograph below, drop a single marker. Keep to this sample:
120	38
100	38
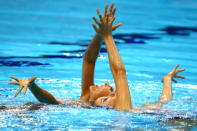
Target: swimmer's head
96	92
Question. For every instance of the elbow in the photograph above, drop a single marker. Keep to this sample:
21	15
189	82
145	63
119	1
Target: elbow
119	69
88	58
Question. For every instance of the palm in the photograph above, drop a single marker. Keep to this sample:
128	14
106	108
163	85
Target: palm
23	83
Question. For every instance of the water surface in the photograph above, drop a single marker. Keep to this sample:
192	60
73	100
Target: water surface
47	39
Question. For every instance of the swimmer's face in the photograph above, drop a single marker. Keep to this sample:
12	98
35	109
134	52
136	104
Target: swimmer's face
106	101
103	95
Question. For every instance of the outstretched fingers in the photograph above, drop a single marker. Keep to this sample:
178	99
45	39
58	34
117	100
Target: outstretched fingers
14	83
20	89
107	18
179	76
96	21
25	90
95	28
116	26
112	20
33	78
106	8
16	79
175	68
114	11
174	73
179	70
105	21
100	16
174	80
111	9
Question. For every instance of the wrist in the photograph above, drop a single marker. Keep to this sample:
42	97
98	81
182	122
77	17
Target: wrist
32	86
99	35
166	78
107	35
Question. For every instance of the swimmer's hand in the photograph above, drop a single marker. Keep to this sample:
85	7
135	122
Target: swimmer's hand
105	23
174	72
23	83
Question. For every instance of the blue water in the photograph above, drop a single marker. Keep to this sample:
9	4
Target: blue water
47	39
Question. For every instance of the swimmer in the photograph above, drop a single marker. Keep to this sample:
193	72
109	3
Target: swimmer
118	98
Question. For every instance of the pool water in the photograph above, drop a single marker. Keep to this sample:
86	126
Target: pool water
47	39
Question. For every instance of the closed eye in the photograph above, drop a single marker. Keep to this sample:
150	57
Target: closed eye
103	100
111	89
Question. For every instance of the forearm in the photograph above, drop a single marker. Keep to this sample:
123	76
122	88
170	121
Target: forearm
89	60
93	49
42	95
167	89
113	54
123	101
87	80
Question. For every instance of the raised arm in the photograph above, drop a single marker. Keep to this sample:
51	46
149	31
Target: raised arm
167	94
89	59
40	94
123	98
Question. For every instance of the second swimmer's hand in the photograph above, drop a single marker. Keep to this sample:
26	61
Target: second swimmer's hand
174	74
105	23
23	83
